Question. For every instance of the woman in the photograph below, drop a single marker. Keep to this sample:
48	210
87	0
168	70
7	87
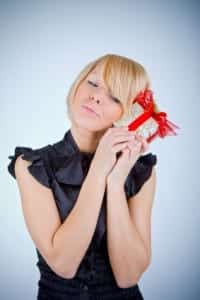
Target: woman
84	200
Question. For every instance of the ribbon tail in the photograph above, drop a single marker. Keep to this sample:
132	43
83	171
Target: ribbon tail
169	128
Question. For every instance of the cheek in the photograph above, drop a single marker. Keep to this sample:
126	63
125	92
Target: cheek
81	93
78	94
113	113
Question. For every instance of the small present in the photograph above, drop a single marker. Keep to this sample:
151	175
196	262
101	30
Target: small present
146	120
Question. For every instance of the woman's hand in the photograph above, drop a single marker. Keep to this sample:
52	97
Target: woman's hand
114	140
130	154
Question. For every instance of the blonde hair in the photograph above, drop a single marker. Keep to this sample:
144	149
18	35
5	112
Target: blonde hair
124	77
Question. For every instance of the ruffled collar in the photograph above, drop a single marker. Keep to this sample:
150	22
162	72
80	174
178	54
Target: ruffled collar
68	146
71	163
72	146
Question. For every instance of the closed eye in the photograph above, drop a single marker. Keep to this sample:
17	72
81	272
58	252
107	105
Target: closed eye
92	83
96	85
115	99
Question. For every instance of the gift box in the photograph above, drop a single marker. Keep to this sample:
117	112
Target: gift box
146	120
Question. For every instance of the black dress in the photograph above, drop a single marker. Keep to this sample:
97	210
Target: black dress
62	167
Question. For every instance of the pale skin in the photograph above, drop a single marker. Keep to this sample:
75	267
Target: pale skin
128	222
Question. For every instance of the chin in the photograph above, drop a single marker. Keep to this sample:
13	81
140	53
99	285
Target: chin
92	124
87	124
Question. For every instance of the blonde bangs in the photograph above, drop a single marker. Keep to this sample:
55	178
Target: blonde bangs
125	78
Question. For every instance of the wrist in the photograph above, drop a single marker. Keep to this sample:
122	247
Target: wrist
114	183
95	174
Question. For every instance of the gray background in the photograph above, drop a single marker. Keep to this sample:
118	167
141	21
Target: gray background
43	46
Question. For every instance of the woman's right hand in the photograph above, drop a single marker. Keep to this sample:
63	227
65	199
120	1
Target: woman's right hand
114	140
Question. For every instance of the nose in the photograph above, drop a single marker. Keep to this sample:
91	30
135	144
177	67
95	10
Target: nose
95	98
99	95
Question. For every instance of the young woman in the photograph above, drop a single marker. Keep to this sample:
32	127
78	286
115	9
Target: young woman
87	198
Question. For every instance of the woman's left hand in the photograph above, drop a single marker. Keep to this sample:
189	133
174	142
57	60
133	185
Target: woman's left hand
130	154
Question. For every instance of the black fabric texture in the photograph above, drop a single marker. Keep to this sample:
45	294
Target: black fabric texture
62	167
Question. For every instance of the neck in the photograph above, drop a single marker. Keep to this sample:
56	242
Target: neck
86	140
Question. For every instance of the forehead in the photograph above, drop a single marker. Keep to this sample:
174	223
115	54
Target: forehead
97	71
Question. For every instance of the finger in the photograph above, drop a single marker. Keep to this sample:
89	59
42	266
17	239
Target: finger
142	141
113	130
135	142
126	151
145	144
118	147
134	148
139	137
123	137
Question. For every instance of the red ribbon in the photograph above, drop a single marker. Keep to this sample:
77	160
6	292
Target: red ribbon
165	127
145	99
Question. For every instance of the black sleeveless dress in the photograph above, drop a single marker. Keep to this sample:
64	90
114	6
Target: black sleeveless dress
62	167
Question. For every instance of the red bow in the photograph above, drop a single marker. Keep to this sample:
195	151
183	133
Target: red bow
165	127
145	99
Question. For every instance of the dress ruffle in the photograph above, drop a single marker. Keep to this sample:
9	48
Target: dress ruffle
37	168
139	174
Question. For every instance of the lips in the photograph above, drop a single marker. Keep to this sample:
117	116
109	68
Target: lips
87	107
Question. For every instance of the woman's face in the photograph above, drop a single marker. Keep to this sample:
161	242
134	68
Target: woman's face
93	93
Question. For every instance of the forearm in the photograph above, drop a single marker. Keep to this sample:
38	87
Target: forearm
74	235
126	250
